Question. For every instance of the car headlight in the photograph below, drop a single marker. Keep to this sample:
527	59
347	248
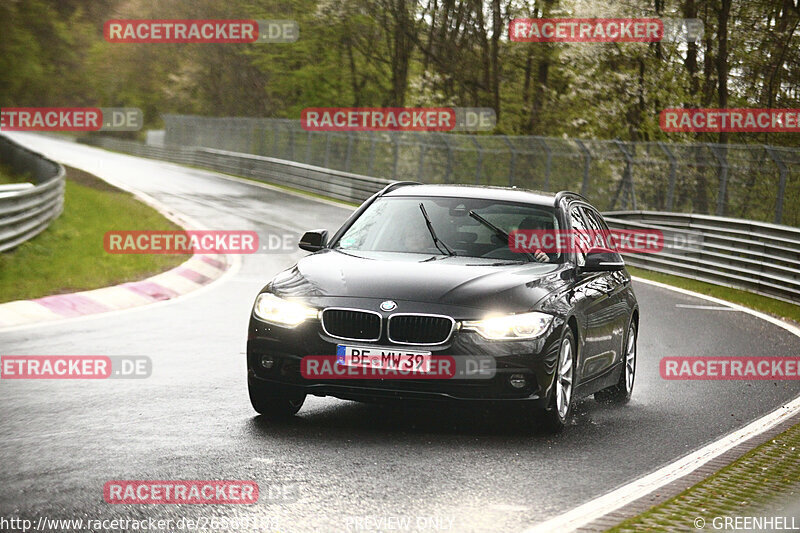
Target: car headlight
270	308
510	327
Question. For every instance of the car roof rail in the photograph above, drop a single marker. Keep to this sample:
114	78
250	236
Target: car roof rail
562	194
396	185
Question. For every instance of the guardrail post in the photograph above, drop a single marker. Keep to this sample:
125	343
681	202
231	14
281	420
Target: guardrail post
672	174
723	180
513	163
479	163
781	184
587	160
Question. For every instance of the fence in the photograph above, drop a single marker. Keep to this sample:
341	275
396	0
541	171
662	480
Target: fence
755	182
26	210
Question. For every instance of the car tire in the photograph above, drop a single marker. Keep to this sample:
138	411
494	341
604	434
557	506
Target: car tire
271	405
560	408
621	392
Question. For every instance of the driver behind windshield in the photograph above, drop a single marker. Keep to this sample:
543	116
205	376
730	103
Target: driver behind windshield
537	224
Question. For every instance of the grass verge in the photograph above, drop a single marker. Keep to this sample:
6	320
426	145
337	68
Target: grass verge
765	304
69	256
757	484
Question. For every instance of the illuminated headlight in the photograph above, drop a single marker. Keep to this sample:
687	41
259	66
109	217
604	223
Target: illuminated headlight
276	310
510	327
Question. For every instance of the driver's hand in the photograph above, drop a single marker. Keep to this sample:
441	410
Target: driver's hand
541	256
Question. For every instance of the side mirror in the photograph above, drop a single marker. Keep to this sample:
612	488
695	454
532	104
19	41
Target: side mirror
603	260
313	241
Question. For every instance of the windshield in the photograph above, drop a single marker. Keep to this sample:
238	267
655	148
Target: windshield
397	224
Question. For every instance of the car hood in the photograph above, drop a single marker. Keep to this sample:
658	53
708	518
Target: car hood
458	281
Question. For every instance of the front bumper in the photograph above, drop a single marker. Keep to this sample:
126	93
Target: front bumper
535	359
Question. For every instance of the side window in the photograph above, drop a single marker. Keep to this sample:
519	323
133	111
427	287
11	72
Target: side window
579	227
596	223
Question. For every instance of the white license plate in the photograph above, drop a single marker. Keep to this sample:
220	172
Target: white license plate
383	358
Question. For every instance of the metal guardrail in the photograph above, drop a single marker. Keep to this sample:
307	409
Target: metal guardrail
26	211
332	183
754	256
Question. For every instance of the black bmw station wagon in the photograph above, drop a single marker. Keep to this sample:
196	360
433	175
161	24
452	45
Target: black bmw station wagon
420	272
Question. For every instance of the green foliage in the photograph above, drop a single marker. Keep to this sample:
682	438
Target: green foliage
408	52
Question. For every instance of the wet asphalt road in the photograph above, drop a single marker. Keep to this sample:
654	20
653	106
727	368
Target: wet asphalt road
342	466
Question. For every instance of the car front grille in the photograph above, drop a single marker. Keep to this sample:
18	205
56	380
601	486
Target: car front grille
352	324
420	329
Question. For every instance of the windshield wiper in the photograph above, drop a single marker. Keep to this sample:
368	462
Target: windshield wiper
499	232
439	243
